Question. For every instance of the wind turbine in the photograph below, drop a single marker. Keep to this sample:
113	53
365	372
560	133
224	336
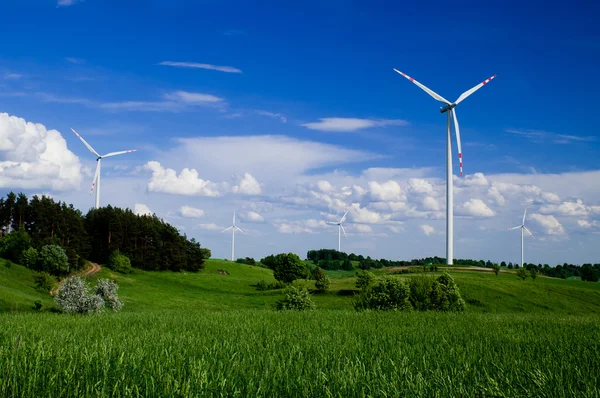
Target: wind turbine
523	228
96	180
233	228
449	106
340	229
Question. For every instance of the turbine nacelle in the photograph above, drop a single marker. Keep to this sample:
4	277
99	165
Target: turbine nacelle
447	108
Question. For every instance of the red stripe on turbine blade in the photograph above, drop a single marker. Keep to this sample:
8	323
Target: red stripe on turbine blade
411	79
460	155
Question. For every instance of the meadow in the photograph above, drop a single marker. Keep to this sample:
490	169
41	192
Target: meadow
213	334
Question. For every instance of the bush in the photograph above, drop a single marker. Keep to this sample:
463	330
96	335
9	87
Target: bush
389	294
119	263
533	273
510	265
13	244
288	268
496	268
322	282
30	258
364	279
420	290
263	285
38	305
75	298
44	282
107	289
522	273
296	299
54	260
445	295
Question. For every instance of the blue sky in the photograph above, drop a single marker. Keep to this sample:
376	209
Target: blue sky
274	81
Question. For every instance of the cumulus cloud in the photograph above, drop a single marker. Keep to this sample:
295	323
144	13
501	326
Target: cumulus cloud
431	203
340	124
362	228
386	191
209	227
247	185
419	185
549	223
33	157
292	228
194	65
428	230
141	209
251	217
477	179
569	208
588	223
475	208
190	212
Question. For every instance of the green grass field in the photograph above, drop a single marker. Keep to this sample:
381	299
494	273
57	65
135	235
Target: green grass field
209	334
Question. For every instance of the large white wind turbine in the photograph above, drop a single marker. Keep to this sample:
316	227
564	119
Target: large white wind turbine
523	228
96	181
340	229
449	106
233	228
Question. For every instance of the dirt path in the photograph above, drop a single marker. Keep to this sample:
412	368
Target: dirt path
93	269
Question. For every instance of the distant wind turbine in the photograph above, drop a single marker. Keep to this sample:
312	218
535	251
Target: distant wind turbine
96	180
523	228
449	106
233	228
340	229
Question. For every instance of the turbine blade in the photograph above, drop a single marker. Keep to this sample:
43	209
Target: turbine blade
457	130
85	143
331	223
344	217
227	229
471	91
118	153
233	217
510	229
435	95
240	230
524	214
345	235
95	177
529	232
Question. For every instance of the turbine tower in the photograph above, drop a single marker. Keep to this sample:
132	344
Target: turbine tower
523	228
96	180
340	229
233	228
449	106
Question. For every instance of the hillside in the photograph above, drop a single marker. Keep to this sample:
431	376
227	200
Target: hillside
211	290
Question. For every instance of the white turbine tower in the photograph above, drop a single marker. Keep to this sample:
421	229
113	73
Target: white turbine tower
449	106
523	228
96	181
233	228
340	229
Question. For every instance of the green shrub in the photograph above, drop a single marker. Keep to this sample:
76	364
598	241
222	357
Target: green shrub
496	268
288	268
13	244
263	285
420	289
388	294
522	273
364	279
296	299
44	282
533	273
119	263
322	282
37	305
30	258
444	295
54	260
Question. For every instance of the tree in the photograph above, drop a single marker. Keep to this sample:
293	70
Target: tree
364	279
522	273
503	264
388	294
288	267
588	273
295	299
496	268
445	295
107	290
533	273
30	258
13	245
119	263
420	289
510	265
321	280
54	260
74	297
44	282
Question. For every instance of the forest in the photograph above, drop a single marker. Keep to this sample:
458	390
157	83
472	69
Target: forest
148	241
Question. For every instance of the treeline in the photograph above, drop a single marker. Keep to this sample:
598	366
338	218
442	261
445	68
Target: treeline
148	241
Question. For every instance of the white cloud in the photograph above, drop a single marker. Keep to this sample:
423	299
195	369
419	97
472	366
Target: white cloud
475	208
419	185
192	98
396	228
252	217
33	157
290	228
428	230
13	76
226	69
141	209
340	124
324	186
186	183
210	227
173	102
363	215
576	208
477	179
361	228
549	223
65	3
540	136
431	203
389	190
588	224
190	212
279	116
247	185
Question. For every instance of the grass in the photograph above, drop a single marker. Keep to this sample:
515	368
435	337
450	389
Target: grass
323	353
17	289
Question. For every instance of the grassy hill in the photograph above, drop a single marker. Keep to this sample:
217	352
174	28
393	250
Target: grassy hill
225	285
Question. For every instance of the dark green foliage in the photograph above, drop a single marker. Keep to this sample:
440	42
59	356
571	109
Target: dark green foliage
54	260
420	290
445	295
247	260
521	273
44	282
269	262
296	299
37	305
388	294
503	264
533	273
119	263
288	267
496	268
589	273
263	285
13	244
322	282
510	265
364	279
30	258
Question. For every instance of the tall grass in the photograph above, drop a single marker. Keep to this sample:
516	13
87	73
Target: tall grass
325	353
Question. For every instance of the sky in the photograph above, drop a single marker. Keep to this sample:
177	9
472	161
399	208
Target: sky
291	114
